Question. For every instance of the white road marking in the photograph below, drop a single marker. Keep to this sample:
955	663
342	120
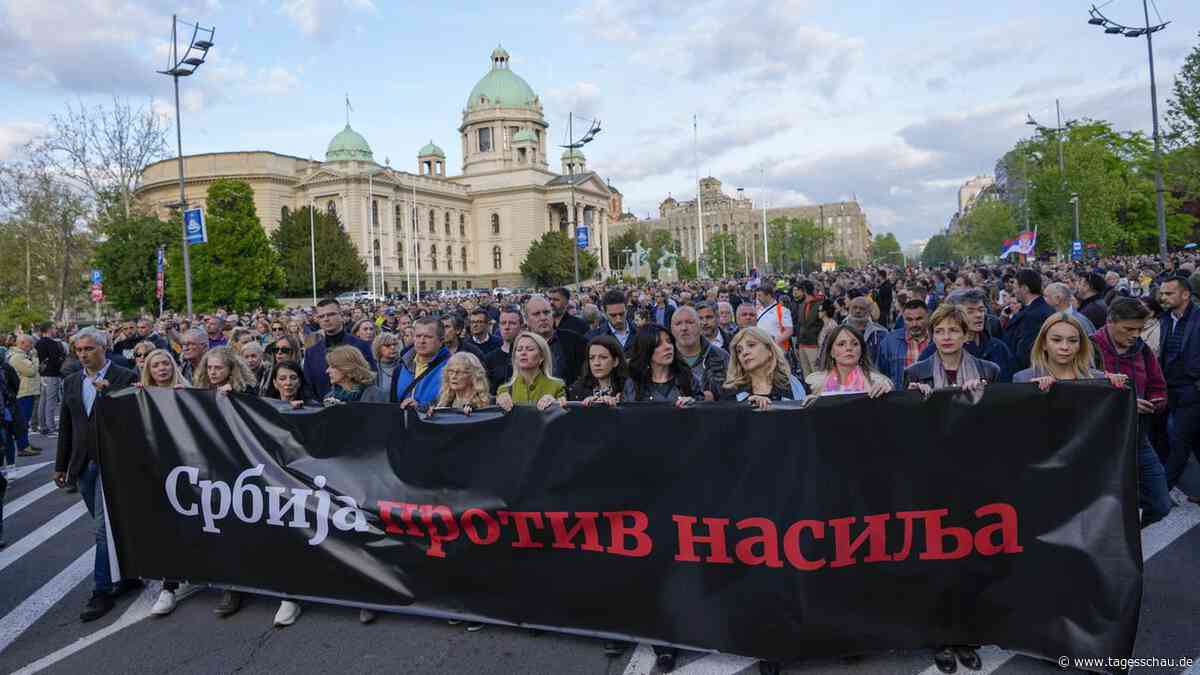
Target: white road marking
140	609
39	536
28	498
22	471
717	664
642	660
1155	538
35	606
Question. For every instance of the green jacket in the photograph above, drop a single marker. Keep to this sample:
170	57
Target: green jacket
542	385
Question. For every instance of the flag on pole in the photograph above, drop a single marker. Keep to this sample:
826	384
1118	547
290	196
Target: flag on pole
158	288
1022	245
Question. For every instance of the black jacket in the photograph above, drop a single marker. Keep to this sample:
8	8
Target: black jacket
921	372
498	364
77	437
1022	330
573	324
606	329
50	356
570	351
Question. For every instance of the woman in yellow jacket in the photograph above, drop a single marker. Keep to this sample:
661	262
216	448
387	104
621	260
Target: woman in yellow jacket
24	360
533	381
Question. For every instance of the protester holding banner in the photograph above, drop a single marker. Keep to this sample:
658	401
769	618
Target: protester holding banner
951	365
351	377
1062	351
287	384
759	371
533	381
657	371
222	369
464	384
160	371
1119	349
603	381
844	367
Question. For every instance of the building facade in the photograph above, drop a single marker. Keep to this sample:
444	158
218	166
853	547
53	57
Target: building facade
471	230
737	215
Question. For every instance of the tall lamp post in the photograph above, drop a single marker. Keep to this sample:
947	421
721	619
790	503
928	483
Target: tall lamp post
1058	134
572	146
1113	28
193	58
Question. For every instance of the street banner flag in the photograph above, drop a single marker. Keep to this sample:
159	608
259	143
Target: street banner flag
1022	245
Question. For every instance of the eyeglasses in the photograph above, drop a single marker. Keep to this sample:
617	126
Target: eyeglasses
140	355
282	350
276	327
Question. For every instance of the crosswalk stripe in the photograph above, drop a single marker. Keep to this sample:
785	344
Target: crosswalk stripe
28	498
717	664
140	609
35	606
1154	539
642	660
32	540
22	471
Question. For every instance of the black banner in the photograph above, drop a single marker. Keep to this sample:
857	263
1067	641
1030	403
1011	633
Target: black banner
850	526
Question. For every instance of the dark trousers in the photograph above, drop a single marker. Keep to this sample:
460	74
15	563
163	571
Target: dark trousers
1183	426
92	491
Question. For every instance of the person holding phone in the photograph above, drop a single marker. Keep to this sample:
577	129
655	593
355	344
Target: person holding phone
1120	349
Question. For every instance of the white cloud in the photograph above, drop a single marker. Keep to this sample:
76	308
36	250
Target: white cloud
15	134
582	98
321	19
276	81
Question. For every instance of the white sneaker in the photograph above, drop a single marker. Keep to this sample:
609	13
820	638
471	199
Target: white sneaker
287	614
164	605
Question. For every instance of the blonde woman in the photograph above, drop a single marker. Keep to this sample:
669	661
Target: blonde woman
386	349
351	377
221	368
159	370
533	380
845	368
758	370
1062	351
464	384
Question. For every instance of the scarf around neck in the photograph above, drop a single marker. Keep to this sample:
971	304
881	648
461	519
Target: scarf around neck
968	370
855	382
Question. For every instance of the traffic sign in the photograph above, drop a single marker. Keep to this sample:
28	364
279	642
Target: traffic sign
193	221
581	236
97	277
1077	250
97	294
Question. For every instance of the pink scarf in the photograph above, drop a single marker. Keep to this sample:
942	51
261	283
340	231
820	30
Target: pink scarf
856	382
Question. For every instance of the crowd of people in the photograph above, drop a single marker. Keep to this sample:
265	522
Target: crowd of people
1122	322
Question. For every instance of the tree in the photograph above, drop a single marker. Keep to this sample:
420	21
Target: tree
885	249
105	150
796	243
938	251
236	269
984	229
128	257
550	261
339	267
1182	136
722	257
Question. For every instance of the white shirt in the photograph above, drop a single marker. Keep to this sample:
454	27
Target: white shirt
89	386
769	320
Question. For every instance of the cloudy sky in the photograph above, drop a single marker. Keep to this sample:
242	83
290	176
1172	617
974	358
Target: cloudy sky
798	101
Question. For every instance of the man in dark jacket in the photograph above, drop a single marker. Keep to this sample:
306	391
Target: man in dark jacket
478	334
1023	327
710	327
1179	355
77	460
329	316
50	360
707	361
1090	289
560	300
568	347
808	325
453	327
498	363
618	321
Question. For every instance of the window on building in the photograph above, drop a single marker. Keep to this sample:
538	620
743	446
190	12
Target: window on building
283	213
496	258
447	223
485	139
432	222
377	256
449	260
464	258
495	223
399	215
468	284
424	284
400	253
439	284
454	285
331	208
462	226
374	212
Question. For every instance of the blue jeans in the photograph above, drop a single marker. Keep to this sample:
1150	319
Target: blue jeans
92	492
1153	494
8	447
25	403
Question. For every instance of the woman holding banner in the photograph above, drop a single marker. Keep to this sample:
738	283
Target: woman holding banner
1062	351
533	381
222	369
464	384
352	379
657	372
286	383
604	379
845	368
759	372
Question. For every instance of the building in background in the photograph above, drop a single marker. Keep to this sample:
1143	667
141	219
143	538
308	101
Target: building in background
738	215
970	193
471	230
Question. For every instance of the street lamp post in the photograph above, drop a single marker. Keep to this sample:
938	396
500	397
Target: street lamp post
192	59
1058	134
572	146
1075	203
1113	28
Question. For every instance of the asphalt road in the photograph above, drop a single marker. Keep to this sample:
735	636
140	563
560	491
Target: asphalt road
45	580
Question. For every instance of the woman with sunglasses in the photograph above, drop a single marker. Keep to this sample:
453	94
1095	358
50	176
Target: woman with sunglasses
286	348
140	351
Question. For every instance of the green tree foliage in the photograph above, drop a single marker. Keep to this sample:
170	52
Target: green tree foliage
796	243
128	257
550	261
339	268
984	229
1183	131
236	269
938	251
722	257
17	313
885	249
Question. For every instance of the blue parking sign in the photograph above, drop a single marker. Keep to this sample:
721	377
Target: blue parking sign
193	221
1077	250
581	236
97	277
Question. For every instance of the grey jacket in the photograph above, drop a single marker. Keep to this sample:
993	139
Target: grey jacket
710	369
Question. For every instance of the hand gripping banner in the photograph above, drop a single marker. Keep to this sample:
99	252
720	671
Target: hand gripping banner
848	526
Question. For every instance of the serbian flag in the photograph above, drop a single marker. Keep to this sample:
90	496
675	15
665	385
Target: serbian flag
1022	245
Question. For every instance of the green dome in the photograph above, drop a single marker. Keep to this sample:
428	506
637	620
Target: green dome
572	153
501	87
524	135
348	145
431	149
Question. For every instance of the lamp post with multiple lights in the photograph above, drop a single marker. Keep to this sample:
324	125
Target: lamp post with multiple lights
193	58
1113	28
572	146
